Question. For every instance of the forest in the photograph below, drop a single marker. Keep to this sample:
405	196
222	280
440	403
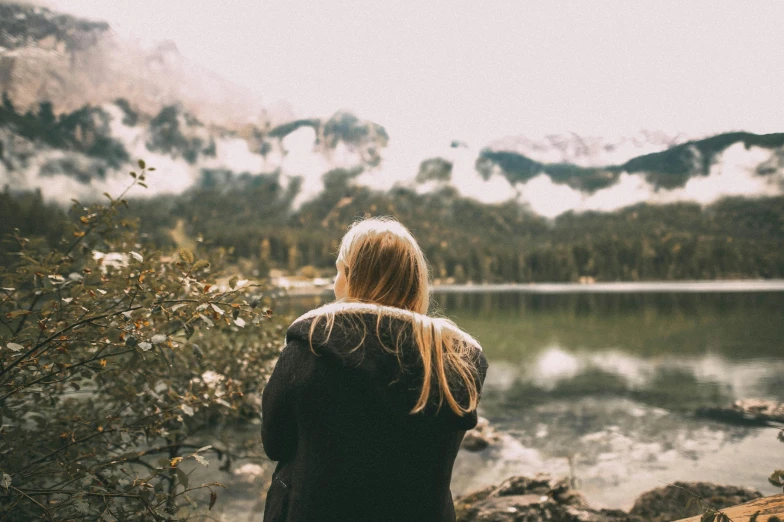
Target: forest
252	218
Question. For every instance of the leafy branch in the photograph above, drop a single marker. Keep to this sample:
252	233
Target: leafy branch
104	389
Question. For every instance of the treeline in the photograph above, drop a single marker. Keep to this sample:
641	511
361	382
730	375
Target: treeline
469	241
462	238
43	223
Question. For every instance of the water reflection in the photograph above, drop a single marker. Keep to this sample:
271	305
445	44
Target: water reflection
605	387
676	384
512	324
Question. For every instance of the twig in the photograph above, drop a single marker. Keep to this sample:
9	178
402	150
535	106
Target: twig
57	334
46	511
24	317
58	450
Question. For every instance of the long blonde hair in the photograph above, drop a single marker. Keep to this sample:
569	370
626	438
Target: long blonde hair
384	266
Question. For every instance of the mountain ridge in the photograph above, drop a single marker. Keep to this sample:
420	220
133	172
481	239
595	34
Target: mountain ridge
194	125
670	168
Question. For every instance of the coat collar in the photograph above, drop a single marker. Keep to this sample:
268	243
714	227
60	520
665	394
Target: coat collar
345	307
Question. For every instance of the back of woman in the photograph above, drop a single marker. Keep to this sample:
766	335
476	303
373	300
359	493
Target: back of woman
370	399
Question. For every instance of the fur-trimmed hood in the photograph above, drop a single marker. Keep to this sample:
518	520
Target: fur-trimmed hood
346	308
376	344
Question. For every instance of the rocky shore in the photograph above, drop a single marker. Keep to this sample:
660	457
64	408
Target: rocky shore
544	498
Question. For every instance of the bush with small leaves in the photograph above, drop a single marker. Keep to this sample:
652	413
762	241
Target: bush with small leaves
118	368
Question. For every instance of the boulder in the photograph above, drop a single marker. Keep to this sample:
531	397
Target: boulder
765	509
675	500
479	438
532	499
543	498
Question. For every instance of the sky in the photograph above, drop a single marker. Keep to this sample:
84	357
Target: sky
476	71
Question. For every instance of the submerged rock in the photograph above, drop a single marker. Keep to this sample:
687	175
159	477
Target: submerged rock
760	412
674	501
480	437
531	499
543	498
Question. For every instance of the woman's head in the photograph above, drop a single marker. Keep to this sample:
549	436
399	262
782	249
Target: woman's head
380	262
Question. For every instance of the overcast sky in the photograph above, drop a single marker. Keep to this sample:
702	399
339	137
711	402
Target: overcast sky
479	70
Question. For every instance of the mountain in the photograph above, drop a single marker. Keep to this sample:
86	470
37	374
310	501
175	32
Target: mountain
587	151
80	105
90	150
48	56
668	169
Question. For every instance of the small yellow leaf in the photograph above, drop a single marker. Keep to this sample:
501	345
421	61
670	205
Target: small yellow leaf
202	263
186	255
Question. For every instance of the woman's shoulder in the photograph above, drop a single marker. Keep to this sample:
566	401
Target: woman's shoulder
344	317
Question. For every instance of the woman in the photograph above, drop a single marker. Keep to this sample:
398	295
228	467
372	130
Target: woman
370	399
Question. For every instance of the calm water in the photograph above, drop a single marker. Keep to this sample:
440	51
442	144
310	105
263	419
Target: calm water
604	388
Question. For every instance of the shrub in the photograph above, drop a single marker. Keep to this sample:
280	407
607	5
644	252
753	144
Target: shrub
119	367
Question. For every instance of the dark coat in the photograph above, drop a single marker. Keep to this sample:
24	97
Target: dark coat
339	424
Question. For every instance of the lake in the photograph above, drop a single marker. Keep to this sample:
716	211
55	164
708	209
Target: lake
604	388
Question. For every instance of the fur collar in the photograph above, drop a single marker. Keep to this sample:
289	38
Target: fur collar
341	307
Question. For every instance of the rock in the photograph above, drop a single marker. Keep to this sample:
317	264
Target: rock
531	499
480	437
766	509
474	442
670	502
543	498
759	412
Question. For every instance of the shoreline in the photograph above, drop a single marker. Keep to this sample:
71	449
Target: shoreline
308	289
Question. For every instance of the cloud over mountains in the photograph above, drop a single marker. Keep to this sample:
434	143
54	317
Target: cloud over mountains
81	105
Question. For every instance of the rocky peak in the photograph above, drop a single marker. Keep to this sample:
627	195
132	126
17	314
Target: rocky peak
24	25
52	57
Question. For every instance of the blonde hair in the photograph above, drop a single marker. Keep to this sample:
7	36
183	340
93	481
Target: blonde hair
384	266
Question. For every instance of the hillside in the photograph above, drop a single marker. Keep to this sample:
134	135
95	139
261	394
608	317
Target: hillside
88	151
